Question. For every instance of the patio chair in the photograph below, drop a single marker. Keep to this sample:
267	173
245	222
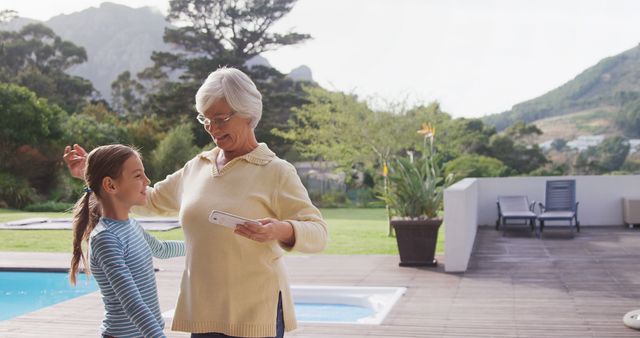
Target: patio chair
560	204
515	208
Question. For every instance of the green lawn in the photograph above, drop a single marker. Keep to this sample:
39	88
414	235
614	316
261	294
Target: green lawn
351	232
8	215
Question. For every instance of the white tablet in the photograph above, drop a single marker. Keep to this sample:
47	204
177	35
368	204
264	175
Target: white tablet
228	220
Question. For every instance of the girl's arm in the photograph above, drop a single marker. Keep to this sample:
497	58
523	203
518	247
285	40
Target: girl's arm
164	249
108	250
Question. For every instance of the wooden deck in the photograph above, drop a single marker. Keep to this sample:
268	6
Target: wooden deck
516	286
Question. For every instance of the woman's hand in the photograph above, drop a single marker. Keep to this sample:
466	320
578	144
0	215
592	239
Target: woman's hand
75	159
269	229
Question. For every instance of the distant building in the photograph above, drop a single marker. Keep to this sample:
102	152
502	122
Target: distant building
320	177
584	142
634	145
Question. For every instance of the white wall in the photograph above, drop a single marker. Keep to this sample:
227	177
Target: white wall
461	223
472	202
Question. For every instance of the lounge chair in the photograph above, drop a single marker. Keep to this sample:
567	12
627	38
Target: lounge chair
515	208
560	204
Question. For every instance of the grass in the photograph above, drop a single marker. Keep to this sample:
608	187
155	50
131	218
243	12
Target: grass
8	215
351	232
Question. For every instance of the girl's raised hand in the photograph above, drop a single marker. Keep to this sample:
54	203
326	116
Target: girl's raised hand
75	158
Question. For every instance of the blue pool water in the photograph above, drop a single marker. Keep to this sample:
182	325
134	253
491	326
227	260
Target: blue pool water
23	292
311	312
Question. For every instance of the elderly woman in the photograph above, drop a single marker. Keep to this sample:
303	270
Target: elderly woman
234	282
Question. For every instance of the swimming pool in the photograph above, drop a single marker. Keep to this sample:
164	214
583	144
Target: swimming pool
339	304
26	291
22	292
345	304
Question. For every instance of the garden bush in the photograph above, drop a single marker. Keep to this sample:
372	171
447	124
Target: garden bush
15	191
172	152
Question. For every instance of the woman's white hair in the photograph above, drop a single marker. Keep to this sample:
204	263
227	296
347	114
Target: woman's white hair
236	88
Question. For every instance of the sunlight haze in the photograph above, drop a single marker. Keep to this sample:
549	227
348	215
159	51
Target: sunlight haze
474	57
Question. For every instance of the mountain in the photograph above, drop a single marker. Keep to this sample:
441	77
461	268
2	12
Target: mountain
302	73
16	24
607	86
117	38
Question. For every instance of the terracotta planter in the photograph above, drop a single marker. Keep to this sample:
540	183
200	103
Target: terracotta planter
417	241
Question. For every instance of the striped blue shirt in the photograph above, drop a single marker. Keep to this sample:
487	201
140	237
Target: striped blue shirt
121	262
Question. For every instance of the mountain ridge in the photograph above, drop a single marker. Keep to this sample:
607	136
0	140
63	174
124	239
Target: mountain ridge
118	38
610	83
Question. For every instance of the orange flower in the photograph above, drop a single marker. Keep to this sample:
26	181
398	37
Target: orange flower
427	130
385	170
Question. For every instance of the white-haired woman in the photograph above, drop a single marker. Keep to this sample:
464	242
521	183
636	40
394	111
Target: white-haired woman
234	283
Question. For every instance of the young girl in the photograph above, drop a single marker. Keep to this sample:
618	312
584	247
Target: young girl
120	250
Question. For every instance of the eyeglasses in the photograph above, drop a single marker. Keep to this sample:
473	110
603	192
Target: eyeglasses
220	122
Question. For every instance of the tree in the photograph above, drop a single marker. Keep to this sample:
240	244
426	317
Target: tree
208	34
226	30
613	152
512	147
145	133
35	57
606	157
172	152
126	95
95	125
475	166
336	127
459	137
213	33
522	132
628	119
26	120
558	144
30	134
520	158
7	15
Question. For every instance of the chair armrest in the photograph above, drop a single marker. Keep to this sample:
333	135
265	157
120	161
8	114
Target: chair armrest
532	206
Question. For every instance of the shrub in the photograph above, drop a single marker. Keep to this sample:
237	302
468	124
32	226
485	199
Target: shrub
65	188
145	134
364	198
173	152
90	132
333	199
328	199
475	166
16	191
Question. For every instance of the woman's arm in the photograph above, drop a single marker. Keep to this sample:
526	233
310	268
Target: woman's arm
299	225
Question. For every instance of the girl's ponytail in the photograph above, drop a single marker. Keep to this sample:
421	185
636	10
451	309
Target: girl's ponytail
86	215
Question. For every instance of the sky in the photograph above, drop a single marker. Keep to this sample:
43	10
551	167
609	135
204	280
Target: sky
475	57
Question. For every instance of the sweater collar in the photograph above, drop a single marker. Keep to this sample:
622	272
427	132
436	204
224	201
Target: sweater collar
261	155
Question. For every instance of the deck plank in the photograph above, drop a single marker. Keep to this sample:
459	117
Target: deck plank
516	286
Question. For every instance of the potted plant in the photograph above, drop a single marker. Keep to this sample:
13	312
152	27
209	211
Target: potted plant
414	195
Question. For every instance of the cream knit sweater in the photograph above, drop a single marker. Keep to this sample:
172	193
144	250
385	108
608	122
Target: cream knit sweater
230	283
